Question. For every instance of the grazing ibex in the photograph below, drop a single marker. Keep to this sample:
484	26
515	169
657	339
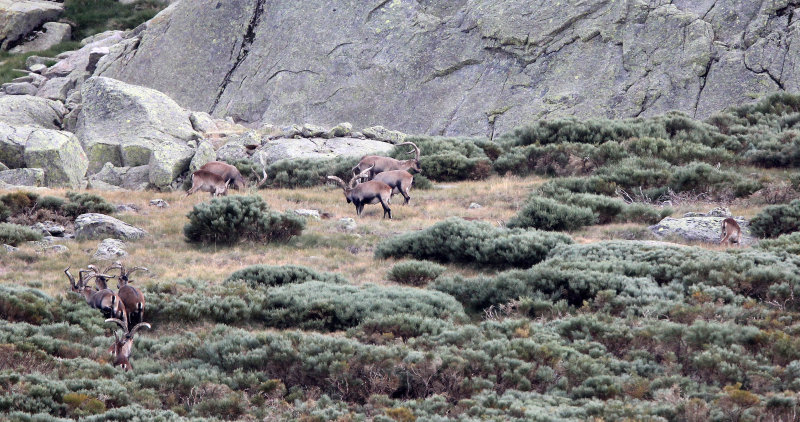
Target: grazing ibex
206	181
122	347
370	192
105	299
731	232
377	164
231	174
399	180
131	297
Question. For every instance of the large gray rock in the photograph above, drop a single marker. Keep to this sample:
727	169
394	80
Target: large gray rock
23	177
467	67
320	149
110	250
52	33
202	155
167	162
20	110
123	124
699	229
12	144
20	88
59	154
20	17
56	88
100	226
79	60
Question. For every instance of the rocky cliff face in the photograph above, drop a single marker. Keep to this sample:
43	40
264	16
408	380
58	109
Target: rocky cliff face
462	67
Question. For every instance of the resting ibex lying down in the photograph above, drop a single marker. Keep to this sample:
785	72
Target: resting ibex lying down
370	192
377	164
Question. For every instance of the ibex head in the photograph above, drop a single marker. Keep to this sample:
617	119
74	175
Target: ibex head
121	349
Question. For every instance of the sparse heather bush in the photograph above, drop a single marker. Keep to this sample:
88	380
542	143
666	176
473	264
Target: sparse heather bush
549	214
789	243
19	201
449	167
52	203
14	234
776	220
82	203
415	273
592	184
262	276
231	219
553	159
475	243
5	212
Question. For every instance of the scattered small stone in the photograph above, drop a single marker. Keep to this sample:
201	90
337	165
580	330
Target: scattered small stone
38	68
110	249
475	205
308	213
347	223
49	228
159	203
10	248
55	249
20	88
97	226
127	208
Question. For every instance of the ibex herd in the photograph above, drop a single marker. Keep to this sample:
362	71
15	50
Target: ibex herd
385	177
124	308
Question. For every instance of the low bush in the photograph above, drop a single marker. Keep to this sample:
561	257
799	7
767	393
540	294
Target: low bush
776	220
19	201
789	243
472	242
549	214
82	203
257	276
232	219
306	173
14	234
5	212
415	273
450	159
453	167
52	203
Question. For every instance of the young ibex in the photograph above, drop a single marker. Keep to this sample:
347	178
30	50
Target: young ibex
131	297
122	347
206	181
399	180
231	174
104	299
377	164
731	232
370	192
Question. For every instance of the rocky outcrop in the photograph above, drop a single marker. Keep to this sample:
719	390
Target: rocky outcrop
110	250
23	177
124	124
19	17
100	226
320	148
700	227
466	67
59	154
52	33
22	110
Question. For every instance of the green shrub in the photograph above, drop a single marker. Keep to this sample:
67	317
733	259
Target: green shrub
592	184
471	242
776	220
19	201
789	243
415	273
232	219
306	173
82	203
52	203
5	212
453	167
549	214
28	305
450	159
256	276
14	234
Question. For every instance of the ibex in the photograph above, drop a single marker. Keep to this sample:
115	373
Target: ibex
231	174
122	347
370	192
105	299
399	180
131	297
206	181
731	232
378	164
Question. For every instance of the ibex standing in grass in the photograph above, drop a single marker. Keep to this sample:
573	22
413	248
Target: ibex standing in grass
399	180
377	164
131	297
122	347
231	174
731	232
206	181
104	299
370	192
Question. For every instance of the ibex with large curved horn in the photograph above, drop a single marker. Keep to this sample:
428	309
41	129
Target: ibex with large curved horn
131	297
122	347
104	299
370	192
378	164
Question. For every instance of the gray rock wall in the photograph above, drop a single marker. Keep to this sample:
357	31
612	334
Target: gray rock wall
462	67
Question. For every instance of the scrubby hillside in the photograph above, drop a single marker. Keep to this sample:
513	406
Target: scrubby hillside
468	67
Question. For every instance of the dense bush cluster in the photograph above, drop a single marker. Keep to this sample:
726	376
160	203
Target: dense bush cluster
473	242
256	276
415	273
14	234
776	220
27	208
232	219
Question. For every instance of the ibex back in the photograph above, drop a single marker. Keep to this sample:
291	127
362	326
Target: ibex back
731	232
